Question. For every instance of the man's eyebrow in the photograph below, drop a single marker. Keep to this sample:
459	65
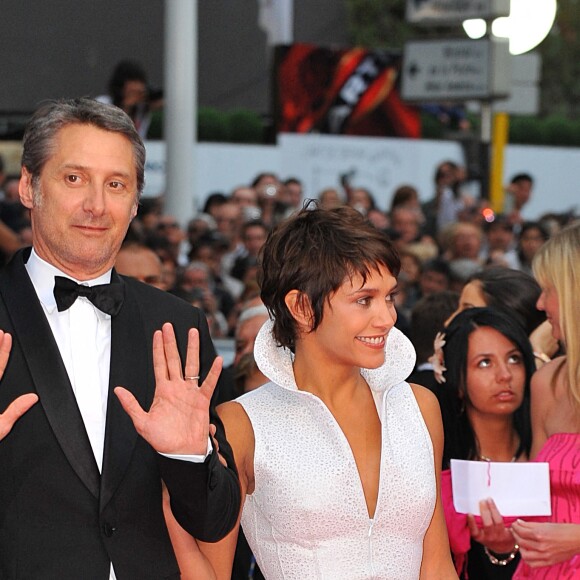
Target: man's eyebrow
80	167
74	166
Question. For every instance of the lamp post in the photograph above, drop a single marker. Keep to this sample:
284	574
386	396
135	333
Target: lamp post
527	25
180	107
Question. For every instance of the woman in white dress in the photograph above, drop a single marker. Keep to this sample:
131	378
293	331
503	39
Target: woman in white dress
338	456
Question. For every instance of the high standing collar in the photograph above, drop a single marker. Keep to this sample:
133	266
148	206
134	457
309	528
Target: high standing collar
275	361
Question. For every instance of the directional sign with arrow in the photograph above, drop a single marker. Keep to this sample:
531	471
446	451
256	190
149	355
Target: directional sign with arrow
455	70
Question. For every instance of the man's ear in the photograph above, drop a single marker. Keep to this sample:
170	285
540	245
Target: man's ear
26	189
299	306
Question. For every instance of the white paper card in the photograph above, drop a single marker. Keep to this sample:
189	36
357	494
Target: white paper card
518	489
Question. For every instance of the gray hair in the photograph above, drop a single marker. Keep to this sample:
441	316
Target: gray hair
197	265
51	117
253	312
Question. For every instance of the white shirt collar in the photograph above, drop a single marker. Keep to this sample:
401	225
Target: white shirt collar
42	276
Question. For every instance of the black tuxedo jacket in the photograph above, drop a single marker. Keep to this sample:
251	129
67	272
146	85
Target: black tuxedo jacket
59	517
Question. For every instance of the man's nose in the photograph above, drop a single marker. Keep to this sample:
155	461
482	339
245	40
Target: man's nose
95	199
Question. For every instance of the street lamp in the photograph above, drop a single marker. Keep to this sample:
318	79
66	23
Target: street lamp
528	24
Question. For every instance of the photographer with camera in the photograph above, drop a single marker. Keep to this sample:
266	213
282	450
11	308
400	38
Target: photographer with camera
129	90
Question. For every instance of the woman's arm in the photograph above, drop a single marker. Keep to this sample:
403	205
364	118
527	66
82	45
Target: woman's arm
192	563
544	344
542	400
545	544
210	561
240	435
437	563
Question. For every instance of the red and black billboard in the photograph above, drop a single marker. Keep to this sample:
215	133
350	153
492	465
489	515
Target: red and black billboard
341	91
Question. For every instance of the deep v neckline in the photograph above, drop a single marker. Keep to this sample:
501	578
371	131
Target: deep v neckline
351	454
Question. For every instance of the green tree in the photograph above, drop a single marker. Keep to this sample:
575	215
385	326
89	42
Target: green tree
382	24
560	83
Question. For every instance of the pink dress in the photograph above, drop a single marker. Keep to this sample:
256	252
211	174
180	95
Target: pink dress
562	451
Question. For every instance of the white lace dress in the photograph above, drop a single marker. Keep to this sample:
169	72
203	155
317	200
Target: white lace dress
307	517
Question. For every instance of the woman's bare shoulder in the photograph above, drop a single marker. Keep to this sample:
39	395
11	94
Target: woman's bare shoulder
240	435
543	379
425	398
235	419
429	407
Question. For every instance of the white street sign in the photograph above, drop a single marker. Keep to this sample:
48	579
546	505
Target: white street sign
454	11
525	86
455	70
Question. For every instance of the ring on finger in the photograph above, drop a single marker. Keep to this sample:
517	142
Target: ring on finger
192	378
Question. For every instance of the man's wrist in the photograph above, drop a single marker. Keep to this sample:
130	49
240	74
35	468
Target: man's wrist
195	458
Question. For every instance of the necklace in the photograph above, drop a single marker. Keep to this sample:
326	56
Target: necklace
489	460
482	457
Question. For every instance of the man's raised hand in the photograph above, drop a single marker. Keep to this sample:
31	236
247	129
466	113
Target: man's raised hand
178	421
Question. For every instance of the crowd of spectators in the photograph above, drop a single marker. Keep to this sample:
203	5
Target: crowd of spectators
213	260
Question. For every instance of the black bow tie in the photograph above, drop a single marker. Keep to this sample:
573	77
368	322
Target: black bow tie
106	297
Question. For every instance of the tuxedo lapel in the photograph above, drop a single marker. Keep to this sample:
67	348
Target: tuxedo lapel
33	334
130	364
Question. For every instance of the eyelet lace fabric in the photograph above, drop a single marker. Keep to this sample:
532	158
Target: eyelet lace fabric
307	518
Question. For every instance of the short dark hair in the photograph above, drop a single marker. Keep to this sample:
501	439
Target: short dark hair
314	251
439	265
522	177
261	176
428	317
125	70
443	167
513	291
40	133
500	221
403	195
533	225
255	223
459	437
216	198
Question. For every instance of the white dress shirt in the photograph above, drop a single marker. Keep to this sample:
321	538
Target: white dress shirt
81	325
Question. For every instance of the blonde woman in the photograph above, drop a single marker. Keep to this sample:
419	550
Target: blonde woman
552	550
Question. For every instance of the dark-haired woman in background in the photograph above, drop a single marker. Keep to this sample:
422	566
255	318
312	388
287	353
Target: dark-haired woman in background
484	396
516	293
532	237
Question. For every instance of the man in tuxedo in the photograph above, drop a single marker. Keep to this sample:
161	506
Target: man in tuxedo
99	410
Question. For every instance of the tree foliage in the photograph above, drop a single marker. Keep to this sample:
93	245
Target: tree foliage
560	84
382	24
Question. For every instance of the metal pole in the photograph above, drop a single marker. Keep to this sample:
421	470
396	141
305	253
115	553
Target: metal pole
285	16
500	139
180	107
485	144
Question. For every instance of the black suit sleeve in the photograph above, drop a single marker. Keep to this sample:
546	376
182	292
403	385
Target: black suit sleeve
205	498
